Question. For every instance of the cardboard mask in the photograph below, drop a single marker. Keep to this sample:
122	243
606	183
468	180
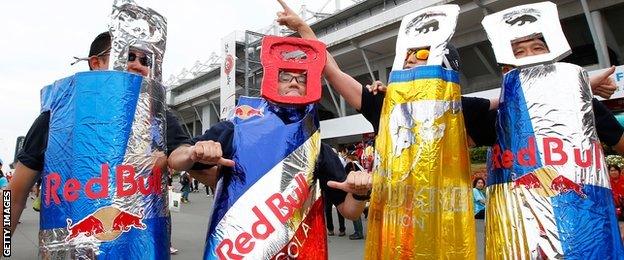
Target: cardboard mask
292	54
430	28
526	22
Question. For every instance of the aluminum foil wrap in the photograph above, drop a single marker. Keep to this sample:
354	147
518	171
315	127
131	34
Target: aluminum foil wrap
270	206
548	188
421	180
133	26
104	179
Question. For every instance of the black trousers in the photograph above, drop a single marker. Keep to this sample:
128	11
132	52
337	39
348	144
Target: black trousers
329	219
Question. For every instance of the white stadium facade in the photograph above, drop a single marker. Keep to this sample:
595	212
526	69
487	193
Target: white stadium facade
362	40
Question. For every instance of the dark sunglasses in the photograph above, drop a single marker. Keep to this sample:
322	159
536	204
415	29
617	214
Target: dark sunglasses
145	60
285	77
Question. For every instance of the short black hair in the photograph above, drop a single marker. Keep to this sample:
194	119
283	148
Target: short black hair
614	166
100	44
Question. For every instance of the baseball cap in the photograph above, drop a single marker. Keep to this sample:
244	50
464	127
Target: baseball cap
453	57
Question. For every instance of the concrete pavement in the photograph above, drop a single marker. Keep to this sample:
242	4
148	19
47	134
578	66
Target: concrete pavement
189	231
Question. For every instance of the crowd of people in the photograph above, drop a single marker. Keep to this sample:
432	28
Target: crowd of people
277	157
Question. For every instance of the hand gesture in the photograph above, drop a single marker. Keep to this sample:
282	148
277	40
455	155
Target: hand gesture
358	183
602	84
289	18
376	87
209	152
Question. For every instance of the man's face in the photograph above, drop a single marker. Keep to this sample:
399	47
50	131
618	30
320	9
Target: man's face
529	48
413	60
139	62
135	60
292	84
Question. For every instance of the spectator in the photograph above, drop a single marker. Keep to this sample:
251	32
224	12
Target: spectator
330	220
195	185
617	188
172	250
353	166
3	180
185	180
478	195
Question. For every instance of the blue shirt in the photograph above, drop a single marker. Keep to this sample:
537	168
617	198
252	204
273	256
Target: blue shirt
3	182
477	195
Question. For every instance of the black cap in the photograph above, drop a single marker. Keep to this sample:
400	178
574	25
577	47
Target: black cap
453	57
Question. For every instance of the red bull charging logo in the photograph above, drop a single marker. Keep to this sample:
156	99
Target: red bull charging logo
108	222
245	112
105	224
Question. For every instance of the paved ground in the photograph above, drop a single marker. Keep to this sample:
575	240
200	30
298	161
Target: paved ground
189	232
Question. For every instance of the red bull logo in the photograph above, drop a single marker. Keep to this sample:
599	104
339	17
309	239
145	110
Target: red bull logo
105	224
89	226
127	184
529	180
548	183
562	184
281	206
246	112
125	220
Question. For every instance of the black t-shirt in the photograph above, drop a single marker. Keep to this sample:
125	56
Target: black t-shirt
477	117
328	165
480	122
36	141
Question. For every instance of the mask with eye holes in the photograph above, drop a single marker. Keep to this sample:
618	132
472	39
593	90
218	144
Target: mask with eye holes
281	55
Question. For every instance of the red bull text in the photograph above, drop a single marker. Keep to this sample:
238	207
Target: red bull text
125	179
281	207
554	154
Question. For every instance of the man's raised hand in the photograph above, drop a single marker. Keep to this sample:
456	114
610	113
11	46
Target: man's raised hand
289	18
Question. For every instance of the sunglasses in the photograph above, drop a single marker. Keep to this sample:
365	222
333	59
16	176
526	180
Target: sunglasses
285	77
421	54
145	60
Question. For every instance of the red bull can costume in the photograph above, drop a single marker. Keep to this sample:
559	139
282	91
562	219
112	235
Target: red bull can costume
421	181
548	188
269	207
103	190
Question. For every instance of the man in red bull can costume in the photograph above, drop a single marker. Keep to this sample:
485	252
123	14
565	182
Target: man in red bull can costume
99	143
548	195
420	127
267	201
